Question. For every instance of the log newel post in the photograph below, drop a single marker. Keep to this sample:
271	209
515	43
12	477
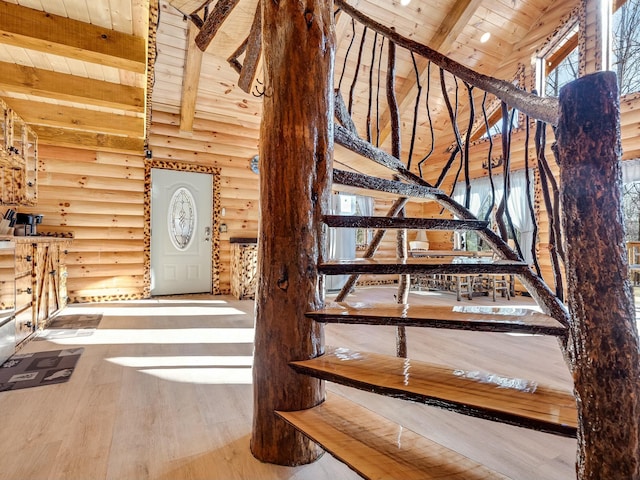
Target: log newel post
603	343
296	153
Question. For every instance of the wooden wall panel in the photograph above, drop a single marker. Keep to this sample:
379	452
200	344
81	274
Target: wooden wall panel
98	198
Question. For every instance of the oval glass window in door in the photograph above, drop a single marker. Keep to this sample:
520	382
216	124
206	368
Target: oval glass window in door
182	218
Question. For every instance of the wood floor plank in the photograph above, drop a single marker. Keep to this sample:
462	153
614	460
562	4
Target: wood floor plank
465	317
377	448
168	422
481	394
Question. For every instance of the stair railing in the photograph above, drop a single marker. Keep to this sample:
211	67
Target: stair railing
464	93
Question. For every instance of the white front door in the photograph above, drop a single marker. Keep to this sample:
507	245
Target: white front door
181	220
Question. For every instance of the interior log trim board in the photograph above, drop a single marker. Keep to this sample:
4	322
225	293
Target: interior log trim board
215	236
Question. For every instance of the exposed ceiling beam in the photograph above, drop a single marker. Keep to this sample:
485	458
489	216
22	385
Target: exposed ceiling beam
190	80
51	115
61	86
48	33
253	52
214	21
454	22
62	137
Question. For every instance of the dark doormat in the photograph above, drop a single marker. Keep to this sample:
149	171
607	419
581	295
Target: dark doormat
69	326
41	368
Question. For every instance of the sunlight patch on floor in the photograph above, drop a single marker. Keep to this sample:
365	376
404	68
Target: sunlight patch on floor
198	369
184	361
163	336
178	311
203	376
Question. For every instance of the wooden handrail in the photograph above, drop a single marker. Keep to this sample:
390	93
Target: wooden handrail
540	108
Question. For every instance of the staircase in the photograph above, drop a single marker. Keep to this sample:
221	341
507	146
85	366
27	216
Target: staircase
368	443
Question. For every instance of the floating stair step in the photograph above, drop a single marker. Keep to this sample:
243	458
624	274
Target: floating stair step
480	394
426	265
482	319
377	448
345	221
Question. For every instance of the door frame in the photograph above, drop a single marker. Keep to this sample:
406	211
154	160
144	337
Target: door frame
215	233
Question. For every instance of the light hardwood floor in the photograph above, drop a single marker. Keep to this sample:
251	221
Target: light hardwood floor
162	391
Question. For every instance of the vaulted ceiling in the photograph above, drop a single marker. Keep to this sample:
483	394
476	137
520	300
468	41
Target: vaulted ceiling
76	70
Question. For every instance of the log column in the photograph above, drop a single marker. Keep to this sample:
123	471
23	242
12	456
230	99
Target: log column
604	337
296	153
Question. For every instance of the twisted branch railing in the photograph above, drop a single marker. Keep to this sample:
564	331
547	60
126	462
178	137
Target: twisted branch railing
498	100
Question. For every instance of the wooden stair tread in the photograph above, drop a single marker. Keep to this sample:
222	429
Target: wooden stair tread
478	318
377	448
481	394
353	221
449	265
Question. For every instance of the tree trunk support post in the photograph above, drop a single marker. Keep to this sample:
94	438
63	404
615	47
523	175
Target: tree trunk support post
603	345
296	154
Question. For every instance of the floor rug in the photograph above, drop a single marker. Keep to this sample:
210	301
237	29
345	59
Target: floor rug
41	368
69	326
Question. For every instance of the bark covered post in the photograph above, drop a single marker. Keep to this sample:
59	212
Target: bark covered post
296	153
604	338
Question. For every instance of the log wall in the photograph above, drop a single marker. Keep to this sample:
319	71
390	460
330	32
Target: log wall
98	198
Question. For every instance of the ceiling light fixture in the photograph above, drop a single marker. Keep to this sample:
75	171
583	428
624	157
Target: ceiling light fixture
485	37
404	3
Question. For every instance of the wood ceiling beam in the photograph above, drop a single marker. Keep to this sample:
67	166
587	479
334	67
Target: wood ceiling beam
253	52
446	34
48	33
51	115
61	137
61	86
213	22
190	80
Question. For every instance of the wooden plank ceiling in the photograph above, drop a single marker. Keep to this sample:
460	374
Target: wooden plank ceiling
76	69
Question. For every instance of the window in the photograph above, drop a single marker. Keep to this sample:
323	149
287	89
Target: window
364	207
480	204
182	218
559	65
626	46
631	209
